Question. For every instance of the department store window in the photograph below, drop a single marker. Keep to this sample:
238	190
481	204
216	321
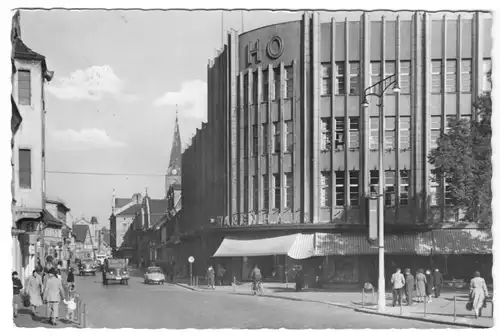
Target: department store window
339	78
404	132
277	191
390	182
374	131
339	133
354	78
404	186
435	130
289	136
326	78
390	133
339	188
354	133
288	190
466	75
390	69
354	187
288	90
326	134
325	187
375	75
436	69
451	76
405	76
374	180
277	137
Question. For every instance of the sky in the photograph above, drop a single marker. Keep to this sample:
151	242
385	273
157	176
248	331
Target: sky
118	78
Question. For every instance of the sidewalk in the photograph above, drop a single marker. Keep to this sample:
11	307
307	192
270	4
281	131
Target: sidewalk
25	320
440	310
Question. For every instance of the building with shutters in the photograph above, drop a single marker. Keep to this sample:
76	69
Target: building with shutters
288	148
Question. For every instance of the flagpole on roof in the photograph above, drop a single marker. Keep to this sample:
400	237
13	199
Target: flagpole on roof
222	28
242	22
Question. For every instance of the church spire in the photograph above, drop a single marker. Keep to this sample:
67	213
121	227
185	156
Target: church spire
174	167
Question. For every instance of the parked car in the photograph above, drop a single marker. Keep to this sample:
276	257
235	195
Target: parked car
154	275
87	267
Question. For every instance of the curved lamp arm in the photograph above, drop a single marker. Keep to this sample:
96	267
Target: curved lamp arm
391	79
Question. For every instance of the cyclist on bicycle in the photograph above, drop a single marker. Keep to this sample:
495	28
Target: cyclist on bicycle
256	277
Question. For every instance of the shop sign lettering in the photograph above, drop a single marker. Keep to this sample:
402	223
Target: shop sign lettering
251	219
274	49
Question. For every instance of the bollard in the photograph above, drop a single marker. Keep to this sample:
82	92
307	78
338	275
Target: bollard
234	284
373	295
363	298
454	308
84	315
425	306
492	307
401	308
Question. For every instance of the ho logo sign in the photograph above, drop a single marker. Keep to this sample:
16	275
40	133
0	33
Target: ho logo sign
274	49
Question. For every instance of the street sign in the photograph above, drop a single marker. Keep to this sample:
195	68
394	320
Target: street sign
191	260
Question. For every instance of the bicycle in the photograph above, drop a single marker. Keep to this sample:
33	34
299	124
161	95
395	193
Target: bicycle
258	288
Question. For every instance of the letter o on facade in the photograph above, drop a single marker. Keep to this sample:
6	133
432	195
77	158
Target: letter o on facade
275	47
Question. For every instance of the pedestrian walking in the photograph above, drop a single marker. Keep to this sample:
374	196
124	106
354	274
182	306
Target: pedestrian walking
438	282
409	286
34	291
429	286
221	270
421	282
17	286
398	283
478	293
52	294
299	280
211	277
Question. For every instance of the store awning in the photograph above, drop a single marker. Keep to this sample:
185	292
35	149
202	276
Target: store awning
465	241
295	245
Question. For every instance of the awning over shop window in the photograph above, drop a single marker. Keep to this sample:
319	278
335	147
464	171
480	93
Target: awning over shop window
466	241
295	245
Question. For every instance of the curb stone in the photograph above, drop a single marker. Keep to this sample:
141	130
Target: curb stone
422	319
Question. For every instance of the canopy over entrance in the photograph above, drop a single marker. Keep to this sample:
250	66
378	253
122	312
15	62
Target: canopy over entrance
297	246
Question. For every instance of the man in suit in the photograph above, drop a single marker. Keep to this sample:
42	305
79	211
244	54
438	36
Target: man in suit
409	286
53	291
438	282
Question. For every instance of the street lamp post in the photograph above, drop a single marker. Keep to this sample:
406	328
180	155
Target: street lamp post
378	89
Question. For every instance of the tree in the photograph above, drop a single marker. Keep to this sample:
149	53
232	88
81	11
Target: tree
463	159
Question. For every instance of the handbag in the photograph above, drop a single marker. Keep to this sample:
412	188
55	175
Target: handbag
468	306
485	305
26	300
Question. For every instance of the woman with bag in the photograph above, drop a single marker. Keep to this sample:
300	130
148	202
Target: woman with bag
34	292
478	294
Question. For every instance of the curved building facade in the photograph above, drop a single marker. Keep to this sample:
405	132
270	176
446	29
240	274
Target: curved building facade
288	146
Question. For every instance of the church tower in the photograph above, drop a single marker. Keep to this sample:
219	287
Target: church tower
173	175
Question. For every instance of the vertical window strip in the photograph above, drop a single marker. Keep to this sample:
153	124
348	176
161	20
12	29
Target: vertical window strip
24	158
288	190
255	86
436	69
374	132
289	136
404	187
390	69
265	185
390	133
255	193
277	137
245	141
325	187
277	84
340	188
245	89
255	140
326	75
265	139
354	78
277	191
375	75
390	181
354	187
451	76
24	87
405	76
288	91
374	181
466	70
404	132
326	134
435	130
435	194
339	133
354	133
339	78
265	85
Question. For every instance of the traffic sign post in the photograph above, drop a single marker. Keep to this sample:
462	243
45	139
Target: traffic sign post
191	261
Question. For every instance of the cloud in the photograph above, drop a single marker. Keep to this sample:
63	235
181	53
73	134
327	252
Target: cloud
92	83
85	139
192	99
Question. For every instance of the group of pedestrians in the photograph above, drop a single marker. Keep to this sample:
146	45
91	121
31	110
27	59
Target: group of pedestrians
45	286
424	283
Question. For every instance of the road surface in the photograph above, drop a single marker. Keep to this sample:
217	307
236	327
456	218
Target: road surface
168	306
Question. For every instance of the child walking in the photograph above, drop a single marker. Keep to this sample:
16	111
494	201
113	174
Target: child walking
70	306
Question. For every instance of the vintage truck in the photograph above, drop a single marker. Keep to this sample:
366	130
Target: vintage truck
115	270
